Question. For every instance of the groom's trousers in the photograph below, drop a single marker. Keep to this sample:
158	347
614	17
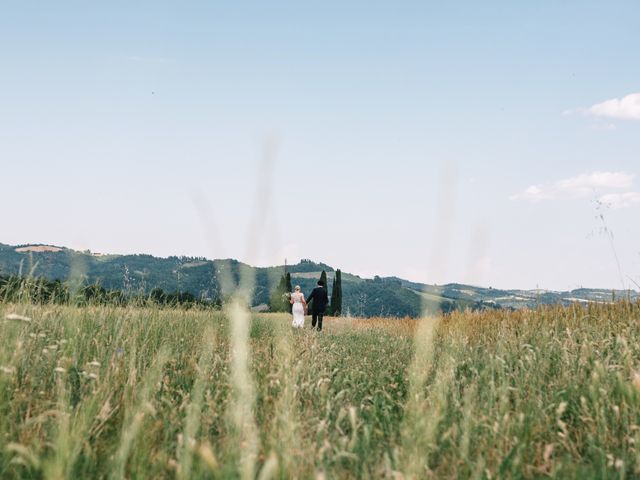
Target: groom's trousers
316	318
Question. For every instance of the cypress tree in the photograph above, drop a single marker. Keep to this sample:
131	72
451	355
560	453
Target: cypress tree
289	290
336	294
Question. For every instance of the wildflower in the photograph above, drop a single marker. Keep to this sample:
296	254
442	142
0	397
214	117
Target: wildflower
92	376
18	318
59	370
94	364
7	370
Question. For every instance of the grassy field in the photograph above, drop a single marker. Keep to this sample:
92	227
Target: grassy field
147	393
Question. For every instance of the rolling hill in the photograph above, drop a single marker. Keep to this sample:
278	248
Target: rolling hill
211	279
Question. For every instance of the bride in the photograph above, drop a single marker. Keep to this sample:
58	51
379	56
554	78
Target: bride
299	307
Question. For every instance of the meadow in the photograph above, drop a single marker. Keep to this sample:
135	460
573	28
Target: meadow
108	392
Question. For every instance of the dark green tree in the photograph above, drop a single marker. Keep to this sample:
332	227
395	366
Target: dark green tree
158	296
186	298
333	294
93	294
336	295
277	300
289	290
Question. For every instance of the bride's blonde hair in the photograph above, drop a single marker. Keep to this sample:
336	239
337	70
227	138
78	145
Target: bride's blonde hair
297	288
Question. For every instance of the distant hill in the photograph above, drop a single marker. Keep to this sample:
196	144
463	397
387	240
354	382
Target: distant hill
205	279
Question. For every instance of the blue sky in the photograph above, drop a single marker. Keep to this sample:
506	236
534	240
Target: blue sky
467	142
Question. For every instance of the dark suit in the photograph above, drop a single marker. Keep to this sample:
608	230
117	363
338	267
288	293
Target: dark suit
319	305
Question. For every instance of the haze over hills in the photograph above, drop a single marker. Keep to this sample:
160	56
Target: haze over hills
204	278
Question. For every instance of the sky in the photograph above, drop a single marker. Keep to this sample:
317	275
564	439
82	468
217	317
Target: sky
495	143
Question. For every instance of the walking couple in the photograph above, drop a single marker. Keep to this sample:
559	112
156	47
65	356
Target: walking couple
318	307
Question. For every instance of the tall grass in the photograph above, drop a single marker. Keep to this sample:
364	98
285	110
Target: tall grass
106	392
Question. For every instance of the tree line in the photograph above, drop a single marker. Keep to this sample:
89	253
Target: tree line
39	290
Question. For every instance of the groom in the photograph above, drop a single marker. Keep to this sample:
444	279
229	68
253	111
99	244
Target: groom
319	305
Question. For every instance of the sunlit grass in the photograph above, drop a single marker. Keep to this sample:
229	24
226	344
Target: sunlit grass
101	392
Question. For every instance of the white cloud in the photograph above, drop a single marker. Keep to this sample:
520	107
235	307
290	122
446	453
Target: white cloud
575	187
626	108
621	200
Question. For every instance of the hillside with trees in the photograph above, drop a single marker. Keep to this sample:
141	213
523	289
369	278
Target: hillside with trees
210	282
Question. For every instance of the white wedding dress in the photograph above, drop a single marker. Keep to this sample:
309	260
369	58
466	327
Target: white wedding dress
297	310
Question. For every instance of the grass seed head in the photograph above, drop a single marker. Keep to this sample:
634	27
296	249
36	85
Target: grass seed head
17	318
